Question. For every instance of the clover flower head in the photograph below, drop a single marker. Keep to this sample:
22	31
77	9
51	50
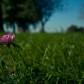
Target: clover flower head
7	38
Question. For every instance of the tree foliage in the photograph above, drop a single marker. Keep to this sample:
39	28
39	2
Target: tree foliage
22	12
47	8
26	12
72	28
75	28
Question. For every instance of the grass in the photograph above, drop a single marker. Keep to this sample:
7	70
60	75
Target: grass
45	59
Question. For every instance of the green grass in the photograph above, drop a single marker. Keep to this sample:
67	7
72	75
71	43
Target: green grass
45	59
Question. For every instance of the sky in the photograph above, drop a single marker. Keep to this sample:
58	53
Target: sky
62	20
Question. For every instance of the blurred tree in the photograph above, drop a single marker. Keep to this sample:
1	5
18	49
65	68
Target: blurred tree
81	29
1	16
9	12
73	28
29	14
26	12
22	12
46	9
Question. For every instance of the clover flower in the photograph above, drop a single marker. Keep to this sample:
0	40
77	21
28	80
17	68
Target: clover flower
7	38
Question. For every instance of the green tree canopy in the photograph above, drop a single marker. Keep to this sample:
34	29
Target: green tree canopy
26	12
47	8
22	12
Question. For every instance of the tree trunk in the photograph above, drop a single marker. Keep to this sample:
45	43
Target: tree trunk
26	28
14	28
42	28
1	20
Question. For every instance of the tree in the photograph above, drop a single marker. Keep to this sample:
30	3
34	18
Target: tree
9	12
81	29
22	12
26	12
1	15
46	9
29	14
73	28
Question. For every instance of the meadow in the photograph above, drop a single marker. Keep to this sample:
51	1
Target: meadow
43	59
